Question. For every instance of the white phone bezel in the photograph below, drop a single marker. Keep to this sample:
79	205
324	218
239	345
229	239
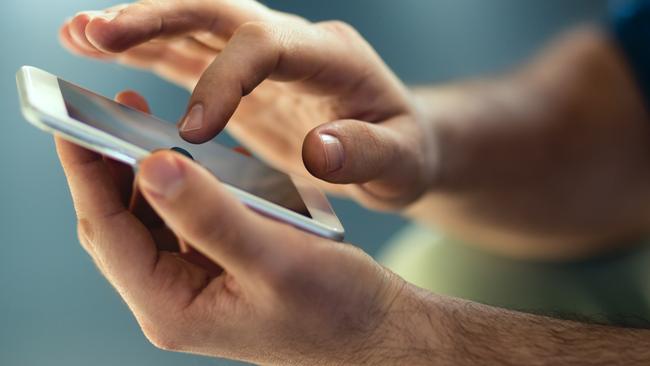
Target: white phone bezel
42	105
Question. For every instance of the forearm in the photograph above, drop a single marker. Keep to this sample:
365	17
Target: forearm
489	138
477	125
425	329
513	150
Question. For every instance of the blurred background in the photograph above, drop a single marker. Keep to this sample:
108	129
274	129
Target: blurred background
54	306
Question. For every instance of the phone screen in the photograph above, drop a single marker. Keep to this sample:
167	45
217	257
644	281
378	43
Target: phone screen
151	133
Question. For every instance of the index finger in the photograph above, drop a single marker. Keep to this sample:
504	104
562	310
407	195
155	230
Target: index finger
140	22
259	51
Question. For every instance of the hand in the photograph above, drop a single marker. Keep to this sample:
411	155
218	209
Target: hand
318	88
284	296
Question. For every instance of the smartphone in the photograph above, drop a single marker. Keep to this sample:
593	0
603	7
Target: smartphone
127	135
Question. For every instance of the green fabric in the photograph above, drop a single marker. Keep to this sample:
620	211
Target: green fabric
612	289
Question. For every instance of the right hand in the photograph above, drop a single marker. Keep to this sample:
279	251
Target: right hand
318	88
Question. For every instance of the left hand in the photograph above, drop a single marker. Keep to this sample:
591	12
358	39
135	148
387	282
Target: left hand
284	297
312	99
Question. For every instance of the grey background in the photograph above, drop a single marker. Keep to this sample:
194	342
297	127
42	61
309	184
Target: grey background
54	307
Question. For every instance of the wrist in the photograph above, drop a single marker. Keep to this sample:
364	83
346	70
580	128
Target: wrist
452	120
491	134
409	332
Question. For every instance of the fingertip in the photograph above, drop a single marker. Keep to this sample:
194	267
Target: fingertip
63	29
66	39
157	159
193	127
167	175
133	99
118	30
101	33
196	137
160	175
313	156
63	35
78	31
165	160
350	151
128	94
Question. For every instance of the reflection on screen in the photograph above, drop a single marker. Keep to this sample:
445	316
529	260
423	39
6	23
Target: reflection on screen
150	133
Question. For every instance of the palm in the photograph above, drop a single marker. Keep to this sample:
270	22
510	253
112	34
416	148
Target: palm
274	120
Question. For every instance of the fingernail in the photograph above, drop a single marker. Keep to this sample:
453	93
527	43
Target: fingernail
333	152
194	120
161	176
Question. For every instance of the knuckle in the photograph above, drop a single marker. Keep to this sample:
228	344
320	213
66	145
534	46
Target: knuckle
170	274
85	233
203	228
280	276
144	4
340	27
161	339
213	229
374	145
260	31
288	270
83	240
138	7
167	331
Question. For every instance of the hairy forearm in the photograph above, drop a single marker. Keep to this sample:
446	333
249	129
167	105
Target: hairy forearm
431	330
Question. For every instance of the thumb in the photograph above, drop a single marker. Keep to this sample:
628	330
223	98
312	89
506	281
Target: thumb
384	158
200	210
